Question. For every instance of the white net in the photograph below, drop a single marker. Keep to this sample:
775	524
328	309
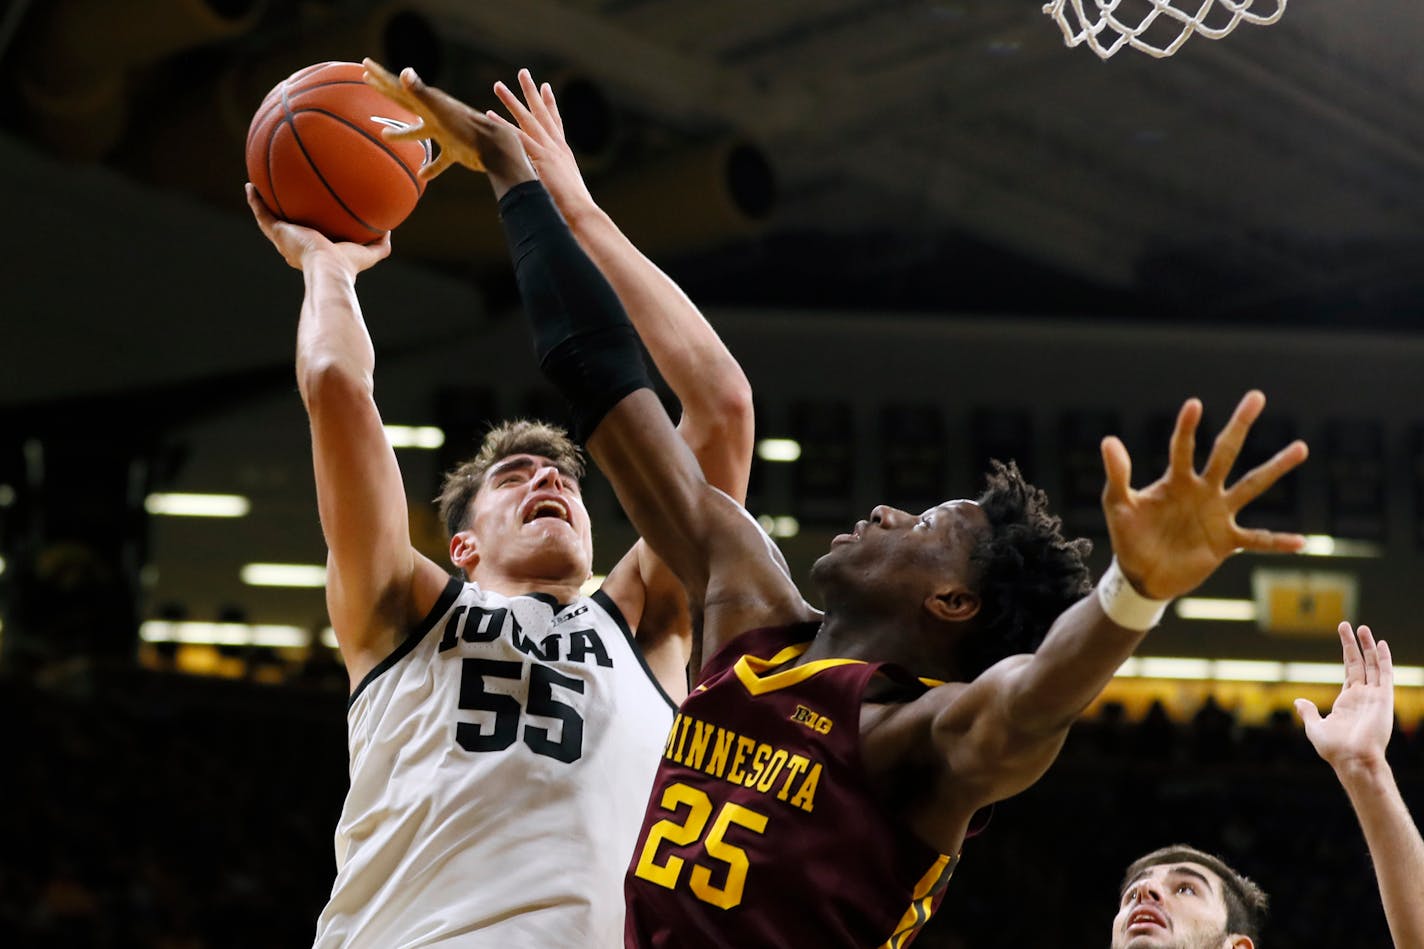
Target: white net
1109	25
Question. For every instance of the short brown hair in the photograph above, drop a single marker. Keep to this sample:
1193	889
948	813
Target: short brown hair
519	437
1246	903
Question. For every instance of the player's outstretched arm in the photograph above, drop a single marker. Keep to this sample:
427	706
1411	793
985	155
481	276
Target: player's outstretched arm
1352	739
1002	731
717	419
714	391
716	398
376	583
715	394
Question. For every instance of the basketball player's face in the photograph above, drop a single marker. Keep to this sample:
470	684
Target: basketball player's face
529	519
907	555
1174	906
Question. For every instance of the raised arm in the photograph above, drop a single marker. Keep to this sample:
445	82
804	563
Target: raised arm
997	735
717	419
376	583
716	398
588	348
1352	739
717	422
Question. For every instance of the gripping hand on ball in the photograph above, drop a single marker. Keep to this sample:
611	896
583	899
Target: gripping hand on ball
298	244
466	135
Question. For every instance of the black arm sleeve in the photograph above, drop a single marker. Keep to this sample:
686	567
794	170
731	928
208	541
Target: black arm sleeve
585	344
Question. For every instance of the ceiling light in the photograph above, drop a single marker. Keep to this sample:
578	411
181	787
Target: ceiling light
197	505
415	436
1249	670
1163	667
781	525
778	449
1323	545
284	575
1235	611
1264	671
223	634
1324	672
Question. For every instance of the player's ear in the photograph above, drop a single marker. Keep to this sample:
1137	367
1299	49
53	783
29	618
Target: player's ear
1239	942
953	604
464	552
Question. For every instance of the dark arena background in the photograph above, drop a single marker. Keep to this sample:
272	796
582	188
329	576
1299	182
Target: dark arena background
933	235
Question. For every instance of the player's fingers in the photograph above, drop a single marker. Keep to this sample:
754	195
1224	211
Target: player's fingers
1307	711
411	81
533	99
380	78
531	145
1386	667
546	92
1227	447
1183	446
437	167
1259	479
378	249
1117	465
1354	659
1262	541
258	206
1370	653
411	133
516	108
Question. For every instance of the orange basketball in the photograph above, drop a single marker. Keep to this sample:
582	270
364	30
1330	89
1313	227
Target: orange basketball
316	155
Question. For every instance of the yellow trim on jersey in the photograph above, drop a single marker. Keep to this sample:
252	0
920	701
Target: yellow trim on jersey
922	901
932	683
751	669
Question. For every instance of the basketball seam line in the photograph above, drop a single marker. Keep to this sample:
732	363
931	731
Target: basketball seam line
285	98
296	137
373	139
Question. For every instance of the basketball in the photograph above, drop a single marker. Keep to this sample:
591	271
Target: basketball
317	158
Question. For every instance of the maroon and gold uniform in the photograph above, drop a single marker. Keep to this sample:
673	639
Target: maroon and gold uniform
763	828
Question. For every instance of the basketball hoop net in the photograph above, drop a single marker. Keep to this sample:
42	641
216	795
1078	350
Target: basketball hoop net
1106	31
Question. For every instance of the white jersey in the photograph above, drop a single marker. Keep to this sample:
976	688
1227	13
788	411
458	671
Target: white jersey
501	760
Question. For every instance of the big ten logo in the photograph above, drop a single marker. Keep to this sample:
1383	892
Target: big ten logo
820	724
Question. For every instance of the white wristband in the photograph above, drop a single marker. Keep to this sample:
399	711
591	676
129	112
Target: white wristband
1124	605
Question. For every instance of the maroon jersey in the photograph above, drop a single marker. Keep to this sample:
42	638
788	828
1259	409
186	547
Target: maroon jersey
762	828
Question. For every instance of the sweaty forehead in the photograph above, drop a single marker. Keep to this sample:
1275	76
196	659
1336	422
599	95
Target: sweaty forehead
522	463
962	514
1167	871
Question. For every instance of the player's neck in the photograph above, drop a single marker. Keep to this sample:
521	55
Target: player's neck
852	634
846	634
510	583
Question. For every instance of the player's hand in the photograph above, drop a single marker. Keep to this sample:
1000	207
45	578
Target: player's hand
298	245
1360	722
466	135
1170	536
541	130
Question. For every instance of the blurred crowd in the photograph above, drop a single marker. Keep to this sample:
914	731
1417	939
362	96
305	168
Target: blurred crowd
156	810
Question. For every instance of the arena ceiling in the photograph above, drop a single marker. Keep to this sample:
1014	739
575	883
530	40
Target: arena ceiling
916	156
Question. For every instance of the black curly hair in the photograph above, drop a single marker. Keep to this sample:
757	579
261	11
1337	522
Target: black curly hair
1028	571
